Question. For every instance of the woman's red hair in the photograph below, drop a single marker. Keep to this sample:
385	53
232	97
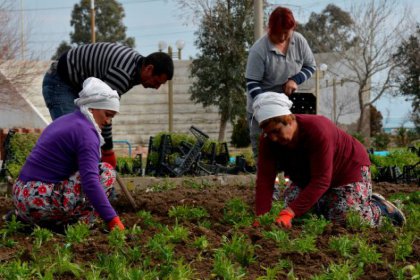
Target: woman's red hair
281	19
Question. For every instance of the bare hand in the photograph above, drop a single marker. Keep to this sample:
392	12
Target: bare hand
290	87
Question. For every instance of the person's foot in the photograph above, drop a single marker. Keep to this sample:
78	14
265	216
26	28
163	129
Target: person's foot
389	210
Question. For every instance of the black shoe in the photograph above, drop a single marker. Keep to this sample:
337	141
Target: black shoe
389	210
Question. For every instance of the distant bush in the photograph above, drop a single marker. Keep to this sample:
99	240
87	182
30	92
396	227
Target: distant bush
240	134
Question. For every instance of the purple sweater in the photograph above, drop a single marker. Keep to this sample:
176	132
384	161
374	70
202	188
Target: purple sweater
325	157
67	145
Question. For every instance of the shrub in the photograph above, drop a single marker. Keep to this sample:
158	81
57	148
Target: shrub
240	134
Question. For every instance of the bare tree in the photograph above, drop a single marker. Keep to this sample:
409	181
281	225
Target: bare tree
17	66
379	26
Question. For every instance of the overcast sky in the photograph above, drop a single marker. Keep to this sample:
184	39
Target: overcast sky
150	21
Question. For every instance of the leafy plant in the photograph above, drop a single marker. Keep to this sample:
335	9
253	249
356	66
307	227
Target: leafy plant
237	212
355	222
315	225
185	212
11	227
343	271
403	246
41	235
62	263
367	254
77	233
201	243
116	239
16	269
146	218
304	244
164	185
343	245
281	238
224	268
239	248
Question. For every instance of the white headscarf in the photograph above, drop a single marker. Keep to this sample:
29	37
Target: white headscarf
270	104
97	95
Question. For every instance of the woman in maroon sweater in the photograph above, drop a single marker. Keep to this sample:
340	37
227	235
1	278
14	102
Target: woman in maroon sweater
328	168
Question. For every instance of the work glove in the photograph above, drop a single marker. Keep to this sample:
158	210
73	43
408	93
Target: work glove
256	224
285	217
109	157
115	223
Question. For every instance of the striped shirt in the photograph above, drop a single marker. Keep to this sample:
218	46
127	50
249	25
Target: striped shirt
115	64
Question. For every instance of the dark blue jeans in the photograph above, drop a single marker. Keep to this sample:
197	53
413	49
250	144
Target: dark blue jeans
58	95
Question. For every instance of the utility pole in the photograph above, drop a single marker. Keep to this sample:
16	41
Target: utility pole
22	40
334	111
258	19
92	20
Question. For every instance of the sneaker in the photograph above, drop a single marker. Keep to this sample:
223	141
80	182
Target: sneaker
389	210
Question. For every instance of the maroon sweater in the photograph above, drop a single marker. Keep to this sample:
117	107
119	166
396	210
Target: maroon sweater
325	156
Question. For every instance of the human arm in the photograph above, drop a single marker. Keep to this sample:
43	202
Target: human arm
88	159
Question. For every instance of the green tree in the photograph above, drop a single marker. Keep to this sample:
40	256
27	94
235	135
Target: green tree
109	26
62	48
409	72
225	34
329	31
375	121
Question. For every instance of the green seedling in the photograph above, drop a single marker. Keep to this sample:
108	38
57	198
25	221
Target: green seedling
344	245
223	268
281	238
271	273
94	273
116	239
181	271
343	271
187	213
146	218
239	248
16	269
237	212
177	234
404	247
304	244
192	184
164	185
315	225
62	263
204	224
77	233
367	254
41	235
160	248
201	243
355	222
386	226
134	253
11	227
114	266
266	219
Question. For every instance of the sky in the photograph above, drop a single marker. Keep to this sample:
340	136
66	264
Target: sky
47	22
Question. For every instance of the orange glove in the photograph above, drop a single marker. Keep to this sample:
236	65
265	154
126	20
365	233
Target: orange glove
285	217
109	157
256	224
115	223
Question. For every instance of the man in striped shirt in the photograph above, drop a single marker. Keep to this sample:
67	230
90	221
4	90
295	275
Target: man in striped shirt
119	66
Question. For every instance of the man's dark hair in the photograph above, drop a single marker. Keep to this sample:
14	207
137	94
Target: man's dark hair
162	64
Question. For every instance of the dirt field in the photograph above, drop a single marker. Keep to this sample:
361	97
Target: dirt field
213	199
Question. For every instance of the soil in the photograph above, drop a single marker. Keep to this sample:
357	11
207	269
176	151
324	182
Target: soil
213	199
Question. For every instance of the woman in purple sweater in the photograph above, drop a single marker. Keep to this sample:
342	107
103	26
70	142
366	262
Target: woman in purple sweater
329	170
63	181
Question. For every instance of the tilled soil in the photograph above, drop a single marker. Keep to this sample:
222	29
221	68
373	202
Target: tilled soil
213	199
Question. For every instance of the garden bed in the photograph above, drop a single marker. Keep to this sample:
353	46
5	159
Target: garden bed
202	231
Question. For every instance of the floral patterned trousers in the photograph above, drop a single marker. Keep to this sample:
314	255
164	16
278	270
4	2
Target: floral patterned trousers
338	201
56	204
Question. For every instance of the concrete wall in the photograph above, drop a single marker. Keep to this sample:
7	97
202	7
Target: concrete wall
144	112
